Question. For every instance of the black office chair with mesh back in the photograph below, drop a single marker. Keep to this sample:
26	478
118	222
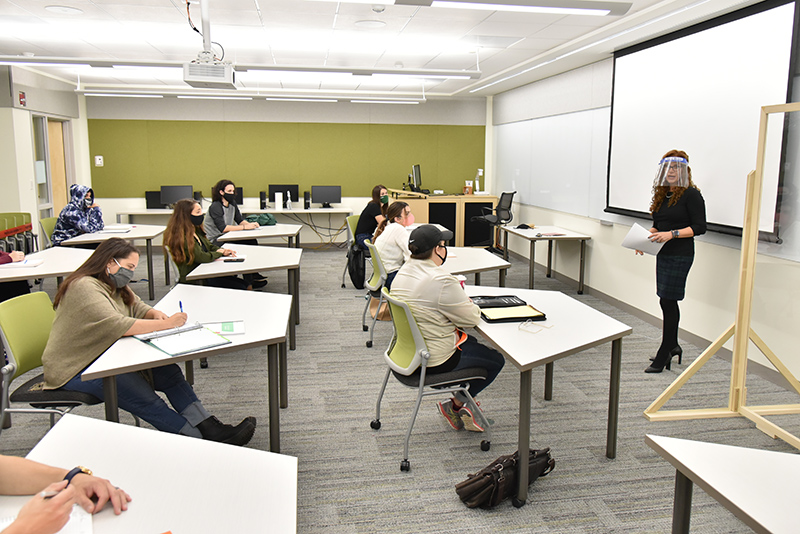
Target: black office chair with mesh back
499	216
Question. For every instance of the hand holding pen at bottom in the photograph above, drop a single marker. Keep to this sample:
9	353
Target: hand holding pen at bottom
47	512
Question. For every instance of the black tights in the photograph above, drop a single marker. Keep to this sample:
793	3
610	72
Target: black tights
669	335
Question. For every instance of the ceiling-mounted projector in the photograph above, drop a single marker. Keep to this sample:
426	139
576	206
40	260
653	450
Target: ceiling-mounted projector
212	75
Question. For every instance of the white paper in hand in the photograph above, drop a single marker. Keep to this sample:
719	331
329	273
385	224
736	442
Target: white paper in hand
637	239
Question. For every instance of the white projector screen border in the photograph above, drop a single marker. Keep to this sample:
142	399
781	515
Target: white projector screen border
701	90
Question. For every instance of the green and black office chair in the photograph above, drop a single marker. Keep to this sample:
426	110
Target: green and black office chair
352	223
408	353
374	286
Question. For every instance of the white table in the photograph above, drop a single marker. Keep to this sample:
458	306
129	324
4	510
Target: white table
177	483
470	260
57	262
266	316
574	327
258	259
290	231
759	487
138	231
539	234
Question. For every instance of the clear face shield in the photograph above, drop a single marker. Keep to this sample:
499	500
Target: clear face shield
672	172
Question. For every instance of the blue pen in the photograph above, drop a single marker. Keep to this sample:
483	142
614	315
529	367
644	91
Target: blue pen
180	303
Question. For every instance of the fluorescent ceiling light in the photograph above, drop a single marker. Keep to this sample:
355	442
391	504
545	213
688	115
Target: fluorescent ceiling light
384	102
302	99
204	97
121	95
564	7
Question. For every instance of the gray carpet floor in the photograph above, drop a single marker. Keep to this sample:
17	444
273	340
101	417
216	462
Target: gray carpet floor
349	476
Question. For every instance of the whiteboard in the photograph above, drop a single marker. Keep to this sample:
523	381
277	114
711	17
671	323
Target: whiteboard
554	162
702	93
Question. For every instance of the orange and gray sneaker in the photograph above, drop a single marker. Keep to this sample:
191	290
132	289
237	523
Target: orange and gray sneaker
469	421
449	412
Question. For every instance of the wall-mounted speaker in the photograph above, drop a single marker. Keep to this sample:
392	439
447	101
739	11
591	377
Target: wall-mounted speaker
306	200
263	197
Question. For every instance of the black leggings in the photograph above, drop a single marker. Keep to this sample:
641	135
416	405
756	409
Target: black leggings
669	334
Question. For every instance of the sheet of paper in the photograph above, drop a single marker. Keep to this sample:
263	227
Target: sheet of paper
116	229
637	239
226	328
80	522
513	312
24	263
186	342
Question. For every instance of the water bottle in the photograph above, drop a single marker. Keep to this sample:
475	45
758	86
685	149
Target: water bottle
288	200
477	182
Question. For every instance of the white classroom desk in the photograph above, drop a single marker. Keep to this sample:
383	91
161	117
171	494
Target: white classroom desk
266	317
759	487
148	232
57	262
574	327
177	483
243	209
538	234
258	259
290	231
471	260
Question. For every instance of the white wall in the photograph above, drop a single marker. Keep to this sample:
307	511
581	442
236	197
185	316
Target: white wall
16	162
711	292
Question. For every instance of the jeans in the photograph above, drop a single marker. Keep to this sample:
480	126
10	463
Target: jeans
137	396
389	279
474	354
360	238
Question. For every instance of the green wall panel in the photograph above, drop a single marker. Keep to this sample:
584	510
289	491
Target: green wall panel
143	155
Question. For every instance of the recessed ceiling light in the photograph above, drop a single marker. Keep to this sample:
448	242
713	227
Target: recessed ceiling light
64	10
370	24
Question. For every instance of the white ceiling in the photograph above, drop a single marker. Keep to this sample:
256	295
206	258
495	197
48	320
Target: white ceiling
317	35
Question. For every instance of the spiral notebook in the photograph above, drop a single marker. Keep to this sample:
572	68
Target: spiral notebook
179	341
506	308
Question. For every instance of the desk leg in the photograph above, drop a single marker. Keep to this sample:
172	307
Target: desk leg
682	509
503	277
532	261
613	398
477	279
292	318
166	268
110	397
524	439
189	366
548	381
549	257
505	244
274	411
583	258
59	279
294	289
284	366
150	281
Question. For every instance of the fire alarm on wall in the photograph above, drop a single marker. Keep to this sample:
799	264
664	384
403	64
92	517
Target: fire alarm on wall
22	100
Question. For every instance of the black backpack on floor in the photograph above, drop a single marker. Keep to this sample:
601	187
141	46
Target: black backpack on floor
355	265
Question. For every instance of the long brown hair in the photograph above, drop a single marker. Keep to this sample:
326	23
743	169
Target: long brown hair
97	265
660	192
179	235
394	211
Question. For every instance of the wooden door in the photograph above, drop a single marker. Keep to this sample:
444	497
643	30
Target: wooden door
58	167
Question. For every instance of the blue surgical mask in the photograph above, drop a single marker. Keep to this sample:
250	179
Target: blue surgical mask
122	277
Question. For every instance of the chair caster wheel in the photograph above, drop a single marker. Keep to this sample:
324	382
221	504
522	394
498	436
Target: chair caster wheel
486	445
517	503
405	465
365	328
342	286
375	424
203	363
369	343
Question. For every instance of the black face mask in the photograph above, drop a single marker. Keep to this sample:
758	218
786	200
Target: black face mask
230	197
197	220
445	255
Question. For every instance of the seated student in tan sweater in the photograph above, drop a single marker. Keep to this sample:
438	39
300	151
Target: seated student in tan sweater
94	308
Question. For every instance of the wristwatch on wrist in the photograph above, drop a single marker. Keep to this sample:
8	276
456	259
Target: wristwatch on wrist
676	234
76	471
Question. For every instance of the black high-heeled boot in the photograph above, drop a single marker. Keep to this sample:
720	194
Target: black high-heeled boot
655	368
677	351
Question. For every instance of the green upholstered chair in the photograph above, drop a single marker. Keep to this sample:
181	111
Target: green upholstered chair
408	353
352	223
374	286
25	324
48	225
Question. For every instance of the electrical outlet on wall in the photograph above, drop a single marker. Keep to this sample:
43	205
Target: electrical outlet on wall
98	161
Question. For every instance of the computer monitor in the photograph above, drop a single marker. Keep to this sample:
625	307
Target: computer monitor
293	190
326	195
416	178
170	194
239	196
153	200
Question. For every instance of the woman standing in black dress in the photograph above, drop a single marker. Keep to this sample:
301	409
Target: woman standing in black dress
679	214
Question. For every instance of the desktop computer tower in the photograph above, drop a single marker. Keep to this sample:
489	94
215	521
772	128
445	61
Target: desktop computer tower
306	200
198	196
263	197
